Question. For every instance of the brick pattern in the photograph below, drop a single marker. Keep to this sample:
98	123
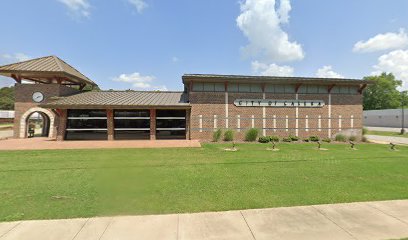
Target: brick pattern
152	124
62	124
110	124
210	104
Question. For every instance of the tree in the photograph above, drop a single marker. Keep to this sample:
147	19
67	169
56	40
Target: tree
7	98
383	94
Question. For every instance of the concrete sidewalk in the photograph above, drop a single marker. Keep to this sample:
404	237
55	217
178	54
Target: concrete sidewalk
387	139
370	220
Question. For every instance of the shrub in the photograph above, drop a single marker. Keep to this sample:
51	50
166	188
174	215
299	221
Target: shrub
288	139
305	139
251	135
229	135
352	138
217	135
294	138
314	138
264	139
328	140
364	139
365	131
274	138
340	138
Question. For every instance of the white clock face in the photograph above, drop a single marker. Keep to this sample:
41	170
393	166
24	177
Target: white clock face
38	97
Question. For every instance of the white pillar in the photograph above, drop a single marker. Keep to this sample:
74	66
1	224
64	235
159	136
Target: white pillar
226	109
319	123
287	123
263	118
297	117
339	122
274	123
307	123
329	117
215	122
252	121
239	123
200	117
352	121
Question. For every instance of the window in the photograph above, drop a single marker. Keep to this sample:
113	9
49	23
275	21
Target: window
86	125
272	88
208	87
132	124
171	124
345	90
245	87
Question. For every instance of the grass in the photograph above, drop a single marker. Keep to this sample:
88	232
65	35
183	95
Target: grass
388	134
82	183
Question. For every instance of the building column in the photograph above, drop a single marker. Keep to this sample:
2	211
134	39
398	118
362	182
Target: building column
188	136
62	124
110	124
152	124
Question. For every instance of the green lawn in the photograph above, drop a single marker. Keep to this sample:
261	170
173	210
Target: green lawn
82	183
388	134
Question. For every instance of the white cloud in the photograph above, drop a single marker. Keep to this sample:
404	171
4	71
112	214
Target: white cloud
16	57
139	81
382	42
140	5
261	22
272	69
395	62
175	59
327	72
78	7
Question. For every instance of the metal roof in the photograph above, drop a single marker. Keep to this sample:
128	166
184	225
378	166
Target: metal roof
265	79
45	69
120	99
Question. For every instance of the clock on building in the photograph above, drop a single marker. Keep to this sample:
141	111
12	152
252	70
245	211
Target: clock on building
38	97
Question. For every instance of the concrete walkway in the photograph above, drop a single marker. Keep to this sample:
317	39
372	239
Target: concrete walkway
370	220
384	129
387	139
46	143
6	134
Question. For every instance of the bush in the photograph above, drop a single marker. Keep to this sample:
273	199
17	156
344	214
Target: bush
274	138
251	135
294	138
229	136
364	139
217	135
328	140
352	138
288	139
264	139
314	138
340	138
306	139
365	131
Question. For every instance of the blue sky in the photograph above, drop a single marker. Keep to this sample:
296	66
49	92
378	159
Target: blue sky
149	44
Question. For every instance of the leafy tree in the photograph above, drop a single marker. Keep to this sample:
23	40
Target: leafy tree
7	98
383	94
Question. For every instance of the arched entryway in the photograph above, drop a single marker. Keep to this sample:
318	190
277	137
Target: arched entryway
37	122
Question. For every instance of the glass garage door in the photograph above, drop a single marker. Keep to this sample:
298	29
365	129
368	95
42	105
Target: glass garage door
171	124
132	124
86	125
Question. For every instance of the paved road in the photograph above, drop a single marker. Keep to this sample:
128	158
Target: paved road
370	221
384	129
386	139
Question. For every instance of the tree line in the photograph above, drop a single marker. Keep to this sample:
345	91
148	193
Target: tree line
384	94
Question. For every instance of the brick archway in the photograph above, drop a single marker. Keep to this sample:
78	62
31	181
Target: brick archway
26	115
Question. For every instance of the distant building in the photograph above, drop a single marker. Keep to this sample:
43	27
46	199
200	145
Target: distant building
385	118
6	116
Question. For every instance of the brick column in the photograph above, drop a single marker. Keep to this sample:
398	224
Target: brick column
152	124
62	124
110	125
188	112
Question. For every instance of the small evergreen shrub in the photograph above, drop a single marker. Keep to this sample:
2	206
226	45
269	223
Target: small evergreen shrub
274	138
288	139
294	138
340	138
264	139
229	136
314	138
364	139
217	135
352	138
327	140
251	135
365	131
306	139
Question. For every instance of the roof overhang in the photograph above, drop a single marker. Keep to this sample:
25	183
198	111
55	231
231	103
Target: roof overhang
53	106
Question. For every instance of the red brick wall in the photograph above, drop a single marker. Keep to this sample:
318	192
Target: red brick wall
209	104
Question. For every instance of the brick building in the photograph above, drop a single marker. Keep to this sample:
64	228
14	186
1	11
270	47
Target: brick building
279	106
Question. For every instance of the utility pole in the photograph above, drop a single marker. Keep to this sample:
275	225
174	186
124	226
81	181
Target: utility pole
402	113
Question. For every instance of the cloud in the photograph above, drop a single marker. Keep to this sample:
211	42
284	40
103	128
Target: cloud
140	5
395	62
139	81
380	42
15	57
78	7
175	59
272	69
327	72
261	22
